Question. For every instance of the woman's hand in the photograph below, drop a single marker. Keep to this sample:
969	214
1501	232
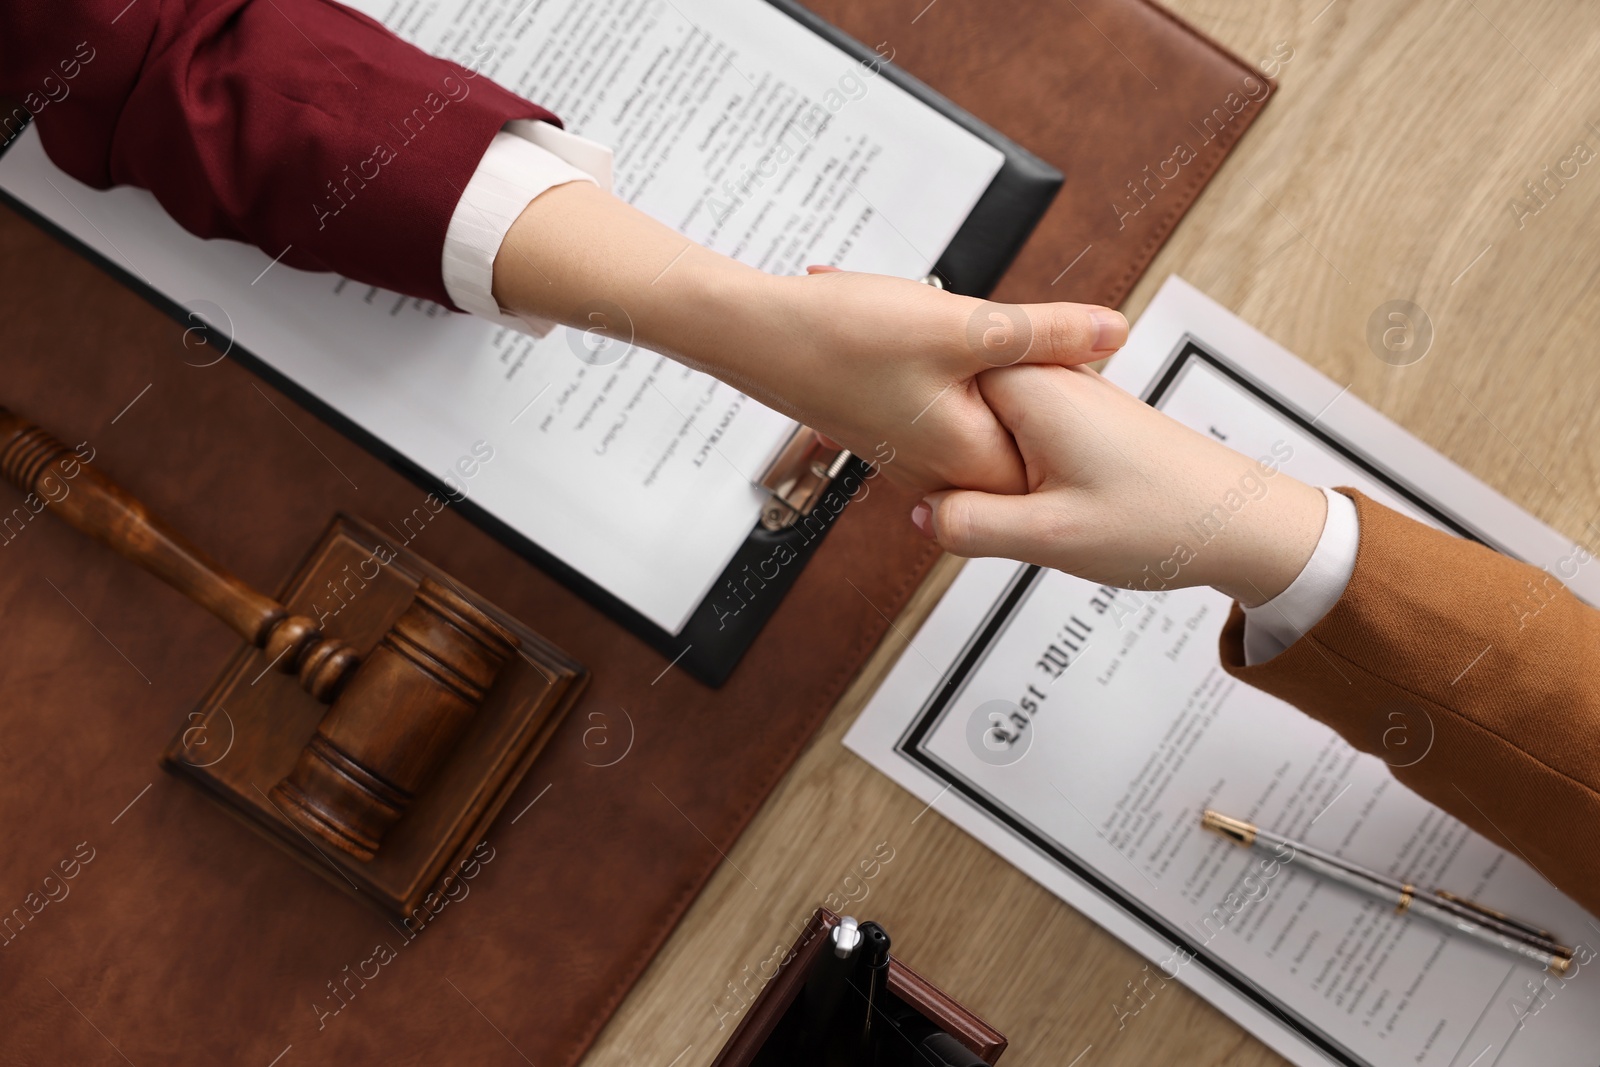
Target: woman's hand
871	360
875	363
1121	494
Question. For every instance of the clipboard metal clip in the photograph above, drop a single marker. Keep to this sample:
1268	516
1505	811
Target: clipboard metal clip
798	476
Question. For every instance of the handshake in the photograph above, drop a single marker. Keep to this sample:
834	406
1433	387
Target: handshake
1018	447
1021	449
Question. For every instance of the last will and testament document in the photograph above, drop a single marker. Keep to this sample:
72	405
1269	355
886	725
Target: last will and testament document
1079	731
732	123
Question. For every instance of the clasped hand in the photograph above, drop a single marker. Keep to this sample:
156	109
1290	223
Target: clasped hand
1025	452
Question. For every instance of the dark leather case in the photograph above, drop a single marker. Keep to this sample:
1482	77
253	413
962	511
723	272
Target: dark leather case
776	997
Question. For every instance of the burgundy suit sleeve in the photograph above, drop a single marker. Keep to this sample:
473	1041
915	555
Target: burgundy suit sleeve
298	126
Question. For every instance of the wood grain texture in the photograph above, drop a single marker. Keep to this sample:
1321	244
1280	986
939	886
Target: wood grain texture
1386	169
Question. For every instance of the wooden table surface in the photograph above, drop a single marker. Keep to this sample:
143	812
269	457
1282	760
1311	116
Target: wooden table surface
1390	167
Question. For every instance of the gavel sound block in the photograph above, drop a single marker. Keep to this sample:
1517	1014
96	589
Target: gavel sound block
275	723
440	701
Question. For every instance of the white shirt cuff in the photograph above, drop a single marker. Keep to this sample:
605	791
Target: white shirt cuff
1272	627
524	159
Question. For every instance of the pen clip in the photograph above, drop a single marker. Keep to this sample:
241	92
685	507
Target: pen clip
1472	905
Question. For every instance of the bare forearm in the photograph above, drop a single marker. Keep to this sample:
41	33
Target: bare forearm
584	258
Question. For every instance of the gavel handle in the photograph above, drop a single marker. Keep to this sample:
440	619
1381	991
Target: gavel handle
37	463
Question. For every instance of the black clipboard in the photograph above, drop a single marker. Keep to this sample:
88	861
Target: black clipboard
731	617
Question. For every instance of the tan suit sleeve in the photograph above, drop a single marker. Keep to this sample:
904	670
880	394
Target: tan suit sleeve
1476	677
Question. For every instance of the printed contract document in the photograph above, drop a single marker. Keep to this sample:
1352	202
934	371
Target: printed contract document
731	122
1080	731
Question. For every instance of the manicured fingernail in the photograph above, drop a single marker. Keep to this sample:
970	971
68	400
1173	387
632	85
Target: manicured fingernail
1110	329
922	519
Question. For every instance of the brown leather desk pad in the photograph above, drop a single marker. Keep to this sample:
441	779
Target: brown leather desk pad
184	939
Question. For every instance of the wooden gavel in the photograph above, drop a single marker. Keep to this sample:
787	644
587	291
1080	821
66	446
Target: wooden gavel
395	716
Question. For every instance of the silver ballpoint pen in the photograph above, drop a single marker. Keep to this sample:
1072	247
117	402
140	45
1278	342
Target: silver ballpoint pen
1447	909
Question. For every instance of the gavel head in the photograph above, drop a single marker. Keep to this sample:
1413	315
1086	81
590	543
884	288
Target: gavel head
395	721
